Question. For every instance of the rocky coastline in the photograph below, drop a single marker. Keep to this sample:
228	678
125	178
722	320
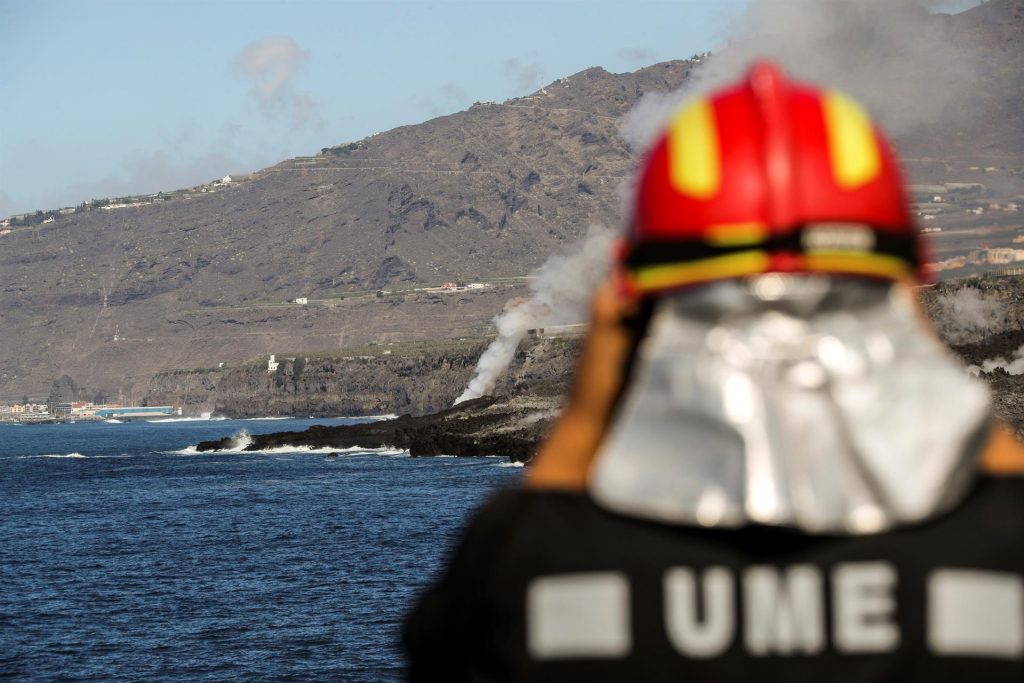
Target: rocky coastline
485	426
529	396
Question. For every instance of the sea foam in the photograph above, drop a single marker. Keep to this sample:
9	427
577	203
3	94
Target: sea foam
244	439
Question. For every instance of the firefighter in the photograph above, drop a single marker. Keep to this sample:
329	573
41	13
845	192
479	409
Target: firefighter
768	468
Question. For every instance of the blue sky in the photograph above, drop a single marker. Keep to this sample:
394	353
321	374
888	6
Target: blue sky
105	97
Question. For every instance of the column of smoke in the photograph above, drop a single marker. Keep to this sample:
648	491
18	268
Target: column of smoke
559	296
895	56
968	315
892	55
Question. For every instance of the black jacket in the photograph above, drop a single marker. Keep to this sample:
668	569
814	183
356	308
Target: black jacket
548	586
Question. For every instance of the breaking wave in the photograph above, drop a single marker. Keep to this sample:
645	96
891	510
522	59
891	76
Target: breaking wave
354	450
359	450
243	439
240	441
203	417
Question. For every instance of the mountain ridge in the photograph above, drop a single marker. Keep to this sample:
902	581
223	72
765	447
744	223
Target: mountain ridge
368	231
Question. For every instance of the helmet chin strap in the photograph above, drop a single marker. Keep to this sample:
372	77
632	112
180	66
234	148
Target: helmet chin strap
849	419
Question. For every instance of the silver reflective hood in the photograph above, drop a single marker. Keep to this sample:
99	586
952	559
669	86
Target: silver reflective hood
794	401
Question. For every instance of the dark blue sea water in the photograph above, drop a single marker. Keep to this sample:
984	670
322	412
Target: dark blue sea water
125	556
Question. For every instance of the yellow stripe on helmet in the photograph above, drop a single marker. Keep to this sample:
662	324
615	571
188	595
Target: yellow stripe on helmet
859	263
852	144
736	234
656	278
669	275
694	163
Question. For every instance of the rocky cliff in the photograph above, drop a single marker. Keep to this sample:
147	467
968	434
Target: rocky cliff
363	230
401	379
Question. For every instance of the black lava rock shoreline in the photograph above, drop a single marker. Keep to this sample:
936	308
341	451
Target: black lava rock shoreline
514	427
485	426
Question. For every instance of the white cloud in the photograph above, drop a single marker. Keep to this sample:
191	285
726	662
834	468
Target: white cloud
271	65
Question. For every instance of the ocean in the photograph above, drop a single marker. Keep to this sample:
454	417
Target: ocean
126	556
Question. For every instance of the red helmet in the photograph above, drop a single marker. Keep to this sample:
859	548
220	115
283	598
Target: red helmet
769	176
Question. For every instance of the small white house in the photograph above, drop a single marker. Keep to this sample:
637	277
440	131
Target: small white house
272	364
302	301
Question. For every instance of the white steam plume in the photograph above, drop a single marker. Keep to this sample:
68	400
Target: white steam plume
1012	367
892	55
967	316
560	294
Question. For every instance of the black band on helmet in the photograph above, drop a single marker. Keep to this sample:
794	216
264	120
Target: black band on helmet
810	238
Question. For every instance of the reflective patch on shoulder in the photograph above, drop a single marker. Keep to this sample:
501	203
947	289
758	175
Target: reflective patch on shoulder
976	613
582	615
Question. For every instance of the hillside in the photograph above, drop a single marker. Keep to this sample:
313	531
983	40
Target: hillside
368	231
111	297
